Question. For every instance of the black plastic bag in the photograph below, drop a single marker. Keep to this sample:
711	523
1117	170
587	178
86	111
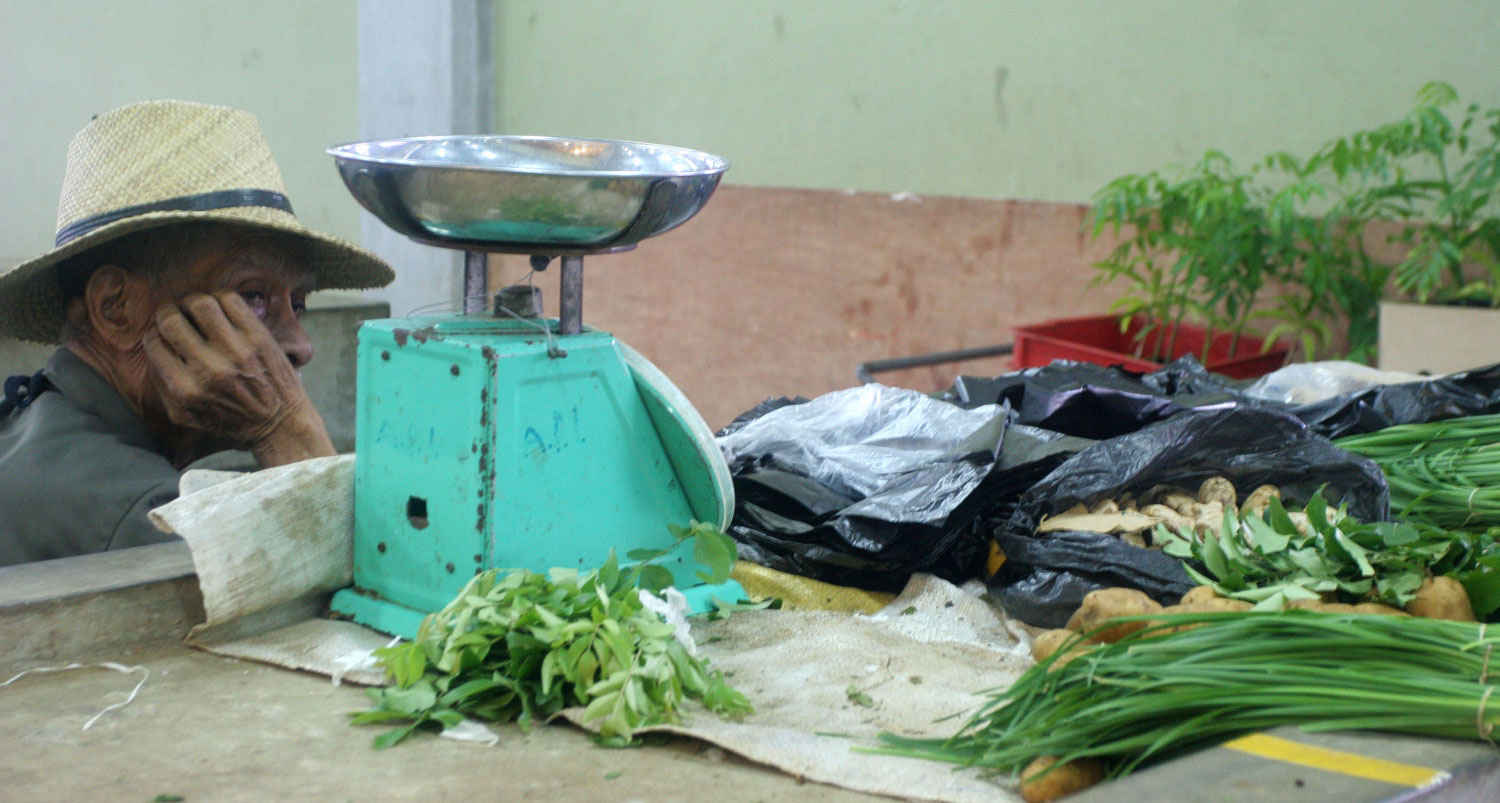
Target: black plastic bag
1094	401
1475	392
1047	576
866	486
1249	447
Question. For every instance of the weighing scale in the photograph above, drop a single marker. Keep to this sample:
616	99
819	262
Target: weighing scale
497	438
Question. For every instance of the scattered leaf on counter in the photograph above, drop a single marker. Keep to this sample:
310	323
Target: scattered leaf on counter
858	697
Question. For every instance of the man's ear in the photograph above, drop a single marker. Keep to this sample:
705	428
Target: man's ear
118	305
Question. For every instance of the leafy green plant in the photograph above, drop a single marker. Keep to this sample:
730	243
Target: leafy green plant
1270	561
522	646
1439	176
1284	243
1204	244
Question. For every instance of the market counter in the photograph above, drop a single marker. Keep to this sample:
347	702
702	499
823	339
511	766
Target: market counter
207	728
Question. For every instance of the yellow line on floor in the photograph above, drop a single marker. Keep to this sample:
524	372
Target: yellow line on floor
1375	769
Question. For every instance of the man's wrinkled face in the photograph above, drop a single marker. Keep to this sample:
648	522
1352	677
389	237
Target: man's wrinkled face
268	274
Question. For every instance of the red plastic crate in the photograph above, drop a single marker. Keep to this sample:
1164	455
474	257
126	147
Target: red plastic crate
1098	339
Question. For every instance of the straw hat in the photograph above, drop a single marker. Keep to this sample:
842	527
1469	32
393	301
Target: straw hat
160	162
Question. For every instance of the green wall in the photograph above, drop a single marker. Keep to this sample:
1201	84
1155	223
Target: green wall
987	98
292	62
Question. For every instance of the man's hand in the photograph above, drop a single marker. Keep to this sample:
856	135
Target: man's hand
222	373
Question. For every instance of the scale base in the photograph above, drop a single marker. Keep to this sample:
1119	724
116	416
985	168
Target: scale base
398	620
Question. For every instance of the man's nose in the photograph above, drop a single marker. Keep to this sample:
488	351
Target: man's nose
293	339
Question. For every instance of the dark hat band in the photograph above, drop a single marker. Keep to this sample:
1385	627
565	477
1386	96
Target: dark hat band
202	202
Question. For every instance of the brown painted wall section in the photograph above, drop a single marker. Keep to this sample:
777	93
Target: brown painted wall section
778	292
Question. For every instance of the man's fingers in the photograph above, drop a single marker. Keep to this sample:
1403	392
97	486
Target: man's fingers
208	316
202	358
247	322
177	331
168	365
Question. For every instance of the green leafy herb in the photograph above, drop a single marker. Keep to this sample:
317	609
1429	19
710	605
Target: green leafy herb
723	610
1269	561
522	646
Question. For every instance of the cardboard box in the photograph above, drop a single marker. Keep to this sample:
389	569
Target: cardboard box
1437	339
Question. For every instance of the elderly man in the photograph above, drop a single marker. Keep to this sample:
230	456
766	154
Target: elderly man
175	288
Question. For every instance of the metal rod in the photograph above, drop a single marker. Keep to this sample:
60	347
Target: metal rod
476	281
570	303
865	371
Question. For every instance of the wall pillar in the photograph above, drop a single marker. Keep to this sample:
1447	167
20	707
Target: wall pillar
424	68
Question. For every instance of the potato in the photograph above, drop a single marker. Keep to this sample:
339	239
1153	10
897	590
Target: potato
1300	521
1376	607
1199	593
1134	539
1218	489
1074	776
1218	604
1078	650
1440	598
1048	642
1107	603
1169	610
1320	606
1260	499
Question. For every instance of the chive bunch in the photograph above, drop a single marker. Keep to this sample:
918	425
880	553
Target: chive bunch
1167	689
1445	473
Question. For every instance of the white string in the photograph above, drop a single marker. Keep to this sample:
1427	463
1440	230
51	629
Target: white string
110	665
460	304
552	348
446	305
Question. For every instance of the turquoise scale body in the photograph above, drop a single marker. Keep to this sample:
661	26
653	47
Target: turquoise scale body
480	447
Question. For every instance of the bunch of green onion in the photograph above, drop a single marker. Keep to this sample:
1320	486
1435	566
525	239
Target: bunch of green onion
1445	473
1157	693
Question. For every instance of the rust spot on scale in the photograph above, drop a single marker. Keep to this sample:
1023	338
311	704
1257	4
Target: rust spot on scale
401	335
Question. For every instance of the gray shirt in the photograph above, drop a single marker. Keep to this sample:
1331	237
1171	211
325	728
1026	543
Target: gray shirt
78	470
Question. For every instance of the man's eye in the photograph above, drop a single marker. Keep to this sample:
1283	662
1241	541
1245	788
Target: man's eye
256	300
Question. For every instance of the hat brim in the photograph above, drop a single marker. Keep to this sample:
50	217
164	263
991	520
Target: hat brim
31	302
